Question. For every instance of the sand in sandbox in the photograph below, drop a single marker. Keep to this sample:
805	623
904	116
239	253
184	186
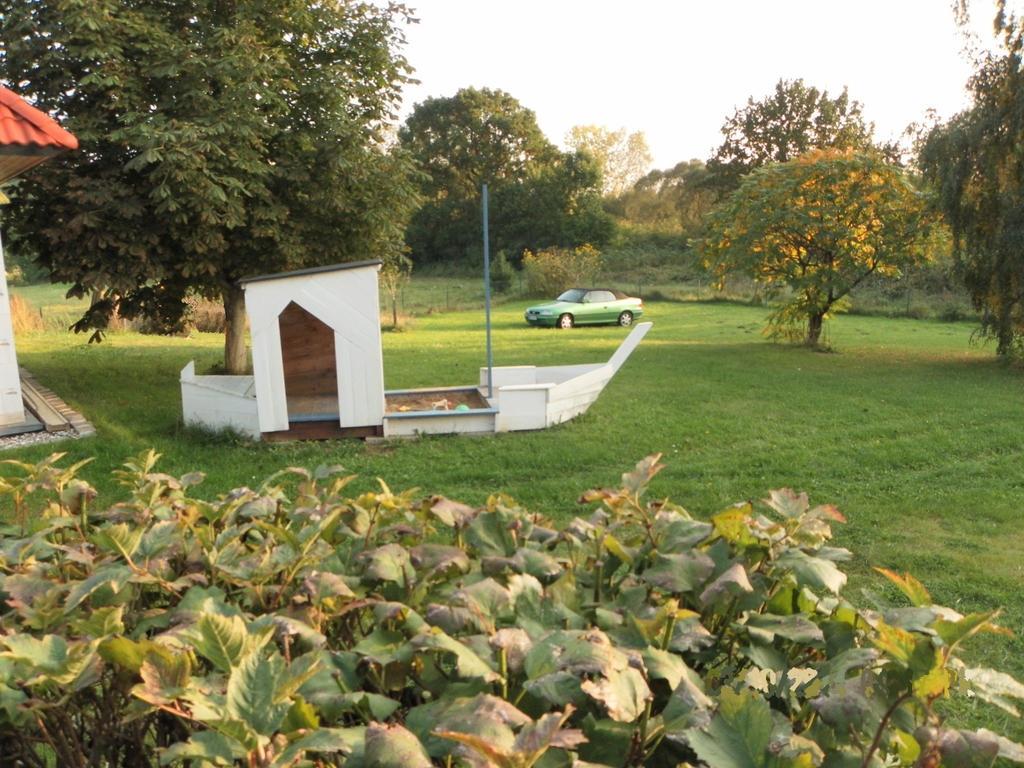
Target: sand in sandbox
445	400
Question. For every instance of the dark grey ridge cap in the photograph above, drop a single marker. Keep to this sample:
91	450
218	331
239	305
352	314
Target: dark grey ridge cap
313	271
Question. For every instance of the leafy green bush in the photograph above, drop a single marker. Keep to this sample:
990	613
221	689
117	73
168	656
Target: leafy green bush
553	270
292	625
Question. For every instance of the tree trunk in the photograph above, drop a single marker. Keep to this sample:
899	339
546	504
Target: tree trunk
814	329
394	312
235	360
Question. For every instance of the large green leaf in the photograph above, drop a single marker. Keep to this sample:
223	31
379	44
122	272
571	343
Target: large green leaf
909	586
847	705
739	733
956	630
995	687
960	749
199	600
253	694
208	746
732	582
112	576
664	665
467	662
490	534
557	688
607	741
384	646
837	668
392	746
165	677
623	694
439	559
321	741
119	538
127	653
390	563
542	566
484	715
815	572
371	706
679	572
675	533
101	622
798	628
688	708
787	502
222	640
48	654
301	716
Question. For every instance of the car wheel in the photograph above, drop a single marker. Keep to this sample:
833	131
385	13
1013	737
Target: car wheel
565	321
626	319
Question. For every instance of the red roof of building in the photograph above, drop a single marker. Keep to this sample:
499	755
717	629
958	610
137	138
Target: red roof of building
25	125
27	136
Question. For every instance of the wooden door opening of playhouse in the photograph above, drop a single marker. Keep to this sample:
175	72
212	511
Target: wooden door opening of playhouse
310	365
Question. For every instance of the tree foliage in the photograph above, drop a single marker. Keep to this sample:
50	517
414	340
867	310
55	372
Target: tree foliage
540	197
676	198
974	163
819	225
794	119
292	625
218	140
623	157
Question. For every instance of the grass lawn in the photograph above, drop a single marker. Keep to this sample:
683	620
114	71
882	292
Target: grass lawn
912	432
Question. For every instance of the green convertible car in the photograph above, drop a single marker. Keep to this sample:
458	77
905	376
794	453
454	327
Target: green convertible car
587	306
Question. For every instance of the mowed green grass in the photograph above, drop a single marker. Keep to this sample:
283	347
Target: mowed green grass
915	434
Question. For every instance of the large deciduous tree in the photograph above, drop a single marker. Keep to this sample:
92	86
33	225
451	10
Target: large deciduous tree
819	225
792	120
218	140
974	161
623	157
540	196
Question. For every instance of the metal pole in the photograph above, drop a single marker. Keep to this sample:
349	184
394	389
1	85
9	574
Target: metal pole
487	299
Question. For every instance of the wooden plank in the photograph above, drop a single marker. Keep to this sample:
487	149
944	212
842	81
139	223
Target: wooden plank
322	430
307	352
52	419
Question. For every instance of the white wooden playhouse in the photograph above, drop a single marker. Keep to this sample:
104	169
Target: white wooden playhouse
318	372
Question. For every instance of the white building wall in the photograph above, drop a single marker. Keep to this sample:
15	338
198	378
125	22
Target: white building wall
12	408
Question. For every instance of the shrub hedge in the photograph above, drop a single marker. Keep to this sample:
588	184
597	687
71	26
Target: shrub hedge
294	625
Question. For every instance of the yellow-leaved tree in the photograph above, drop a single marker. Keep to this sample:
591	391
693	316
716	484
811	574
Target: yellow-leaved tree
820	225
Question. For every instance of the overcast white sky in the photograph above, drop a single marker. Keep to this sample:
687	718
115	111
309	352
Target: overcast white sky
675	69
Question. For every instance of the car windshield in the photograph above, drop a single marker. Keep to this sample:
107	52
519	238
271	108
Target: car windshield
574	295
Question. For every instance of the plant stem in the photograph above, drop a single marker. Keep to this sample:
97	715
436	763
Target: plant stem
670	627
503	671
638	758
881	728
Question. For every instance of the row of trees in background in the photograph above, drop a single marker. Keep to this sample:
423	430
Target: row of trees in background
542	197
220	142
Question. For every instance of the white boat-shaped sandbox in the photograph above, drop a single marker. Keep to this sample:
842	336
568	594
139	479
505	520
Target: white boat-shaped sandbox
318	372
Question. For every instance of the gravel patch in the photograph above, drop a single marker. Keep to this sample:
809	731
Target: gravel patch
35	438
